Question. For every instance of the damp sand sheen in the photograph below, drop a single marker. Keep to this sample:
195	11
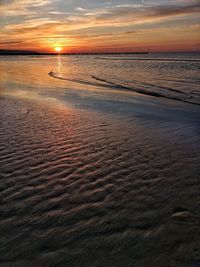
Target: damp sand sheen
99	161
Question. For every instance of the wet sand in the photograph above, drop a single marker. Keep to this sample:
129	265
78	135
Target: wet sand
83	188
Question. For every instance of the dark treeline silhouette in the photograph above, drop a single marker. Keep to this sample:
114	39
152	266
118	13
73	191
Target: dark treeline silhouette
17	52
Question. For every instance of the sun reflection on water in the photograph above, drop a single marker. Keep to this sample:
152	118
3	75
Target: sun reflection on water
59	65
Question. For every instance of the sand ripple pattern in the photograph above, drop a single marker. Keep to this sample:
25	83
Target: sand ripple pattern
79	189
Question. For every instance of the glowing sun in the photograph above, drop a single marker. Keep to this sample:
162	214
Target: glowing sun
58	49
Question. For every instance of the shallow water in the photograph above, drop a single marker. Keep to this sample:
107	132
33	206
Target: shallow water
162	77
96	175
169	77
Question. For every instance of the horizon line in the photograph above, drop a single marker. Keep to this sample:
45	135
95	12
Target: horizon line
33	52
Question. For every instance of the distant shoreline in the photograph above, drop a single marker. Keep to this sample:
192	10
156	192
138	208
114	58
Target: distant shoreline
34	53
4	52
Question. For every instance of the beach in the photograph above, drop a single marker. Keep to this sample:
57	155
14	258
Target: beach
100	170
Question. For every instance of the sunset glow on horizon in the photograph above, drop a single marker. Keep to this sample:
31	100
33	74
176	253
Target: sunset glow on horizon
100	26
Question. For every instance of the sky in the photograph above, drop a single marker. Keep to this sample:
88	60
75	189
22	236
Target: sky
100	25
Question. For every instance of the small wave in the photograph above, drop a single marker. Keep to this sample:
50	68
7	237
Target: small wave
165	88
58	76
141	91
82	81
102	82
155	94
150	59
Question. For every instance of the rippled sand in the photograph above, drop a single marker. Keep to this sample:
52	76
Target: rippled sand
81	188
